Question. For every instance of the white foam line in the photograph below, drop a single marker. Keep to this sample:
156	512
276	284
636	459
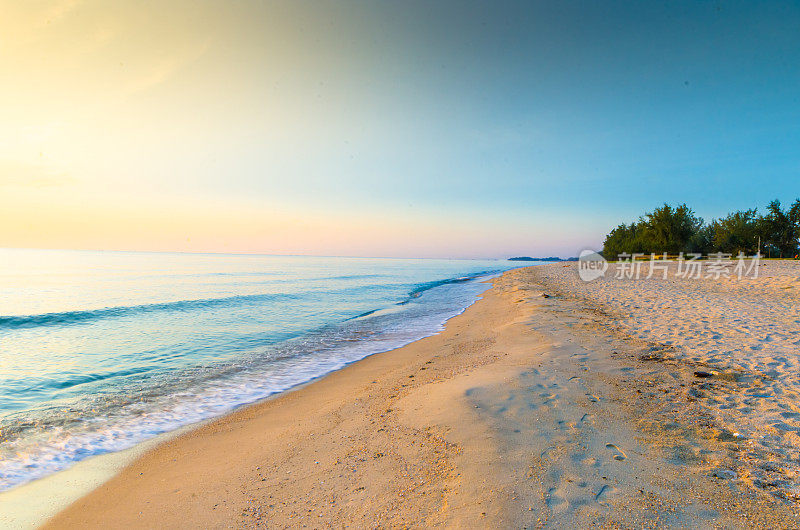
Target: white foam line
31	504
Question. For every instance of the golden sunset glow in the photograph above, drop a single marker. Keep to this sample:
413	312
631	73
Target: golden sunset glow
345	128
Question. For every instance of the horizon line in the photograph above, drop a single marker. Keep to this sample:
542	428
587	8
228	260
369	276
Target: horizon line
255	254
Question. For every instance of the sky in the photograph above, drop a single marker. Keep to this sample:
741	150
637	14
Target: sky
409	129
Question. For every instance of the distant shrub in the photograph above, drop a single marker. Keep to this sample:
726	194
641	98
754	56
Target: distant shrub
675	229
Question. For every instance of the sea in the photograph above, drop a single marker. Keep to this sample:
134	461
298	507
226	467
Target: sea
102	350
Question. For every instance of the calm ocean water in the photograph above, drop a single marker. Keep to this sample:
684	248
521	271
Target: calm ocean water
101	350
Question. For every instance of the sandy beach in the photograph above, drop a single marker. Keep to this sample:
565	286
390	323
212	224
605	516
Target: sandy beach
346	264
549	403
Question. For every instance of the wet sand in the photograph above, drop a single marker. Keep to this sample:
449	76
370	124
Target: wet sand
527	411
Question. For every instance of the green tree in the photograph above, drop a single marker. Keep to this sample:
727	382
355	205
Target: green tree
665	229
780	229
675	229
794	221
738	232
671	229
702	242
620	240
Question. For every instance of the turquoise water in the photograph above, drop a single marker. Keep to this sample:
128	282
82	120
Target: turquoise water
101	350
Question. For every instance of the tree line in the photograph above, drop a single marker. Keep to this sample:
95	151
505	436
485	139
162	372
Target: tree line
675	229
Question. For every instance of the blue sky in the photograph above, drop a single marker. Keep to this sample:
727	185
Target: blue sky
464	129
614	107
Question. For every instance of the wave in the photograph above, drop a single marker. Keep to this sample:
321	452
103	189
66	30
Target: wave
83	418
73	379
417	292
67	318
80	317
364	314
281	280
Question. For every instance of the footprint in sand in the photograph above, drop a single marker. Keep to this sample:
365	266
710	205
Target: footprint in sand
582	459
550	399
547	452
605	494
619	454
556	502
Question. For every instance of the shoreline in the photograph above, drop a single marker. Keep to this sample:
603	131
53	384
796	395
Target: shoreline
55	492
32	504
523	411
